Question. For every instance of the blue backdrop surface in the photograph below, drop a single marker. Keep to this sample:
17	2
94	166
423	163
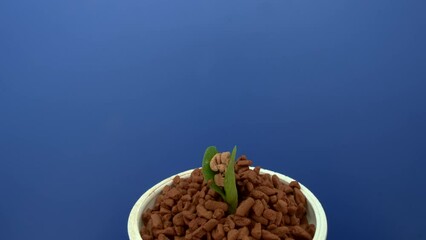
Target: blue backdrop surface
99	100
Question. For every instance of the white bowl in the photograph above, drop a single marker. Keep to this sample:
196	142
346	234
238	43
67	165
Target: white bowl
315	212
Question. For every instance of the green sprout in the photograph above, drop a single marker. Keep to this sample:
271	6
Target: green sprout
229	191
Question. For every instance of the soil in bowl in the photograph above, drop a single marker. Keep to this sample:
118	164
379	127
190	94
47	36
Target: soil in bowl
268	209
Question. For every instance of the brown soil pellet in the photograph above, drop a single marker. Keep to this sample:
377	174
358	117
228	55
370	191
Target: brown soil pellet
243	232
260	219
267	190
218	213
162	237
213	205
281	231
219	233
256	231
292	210
174	193
301	233
157	223
299	197
279	218
202	212
267	235
228	223
281	206
169	231
233	234
294	184
268	209
244	207
210	224
258	208
199	233
244	163
242	221
270	214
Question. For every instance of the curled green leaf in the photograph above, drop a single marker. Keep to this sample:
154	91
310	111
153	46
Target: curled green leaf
208	173
229	192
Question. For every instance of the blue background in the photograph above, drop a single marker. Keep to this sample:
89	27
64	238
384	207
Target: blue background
99	100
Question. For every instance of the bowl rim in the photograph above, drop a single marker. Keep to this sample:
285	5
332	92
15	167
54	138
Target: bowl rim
136	212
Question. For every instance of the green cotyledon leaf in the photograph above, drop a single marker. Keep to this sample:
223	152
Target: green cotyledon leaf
231	193
208	173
